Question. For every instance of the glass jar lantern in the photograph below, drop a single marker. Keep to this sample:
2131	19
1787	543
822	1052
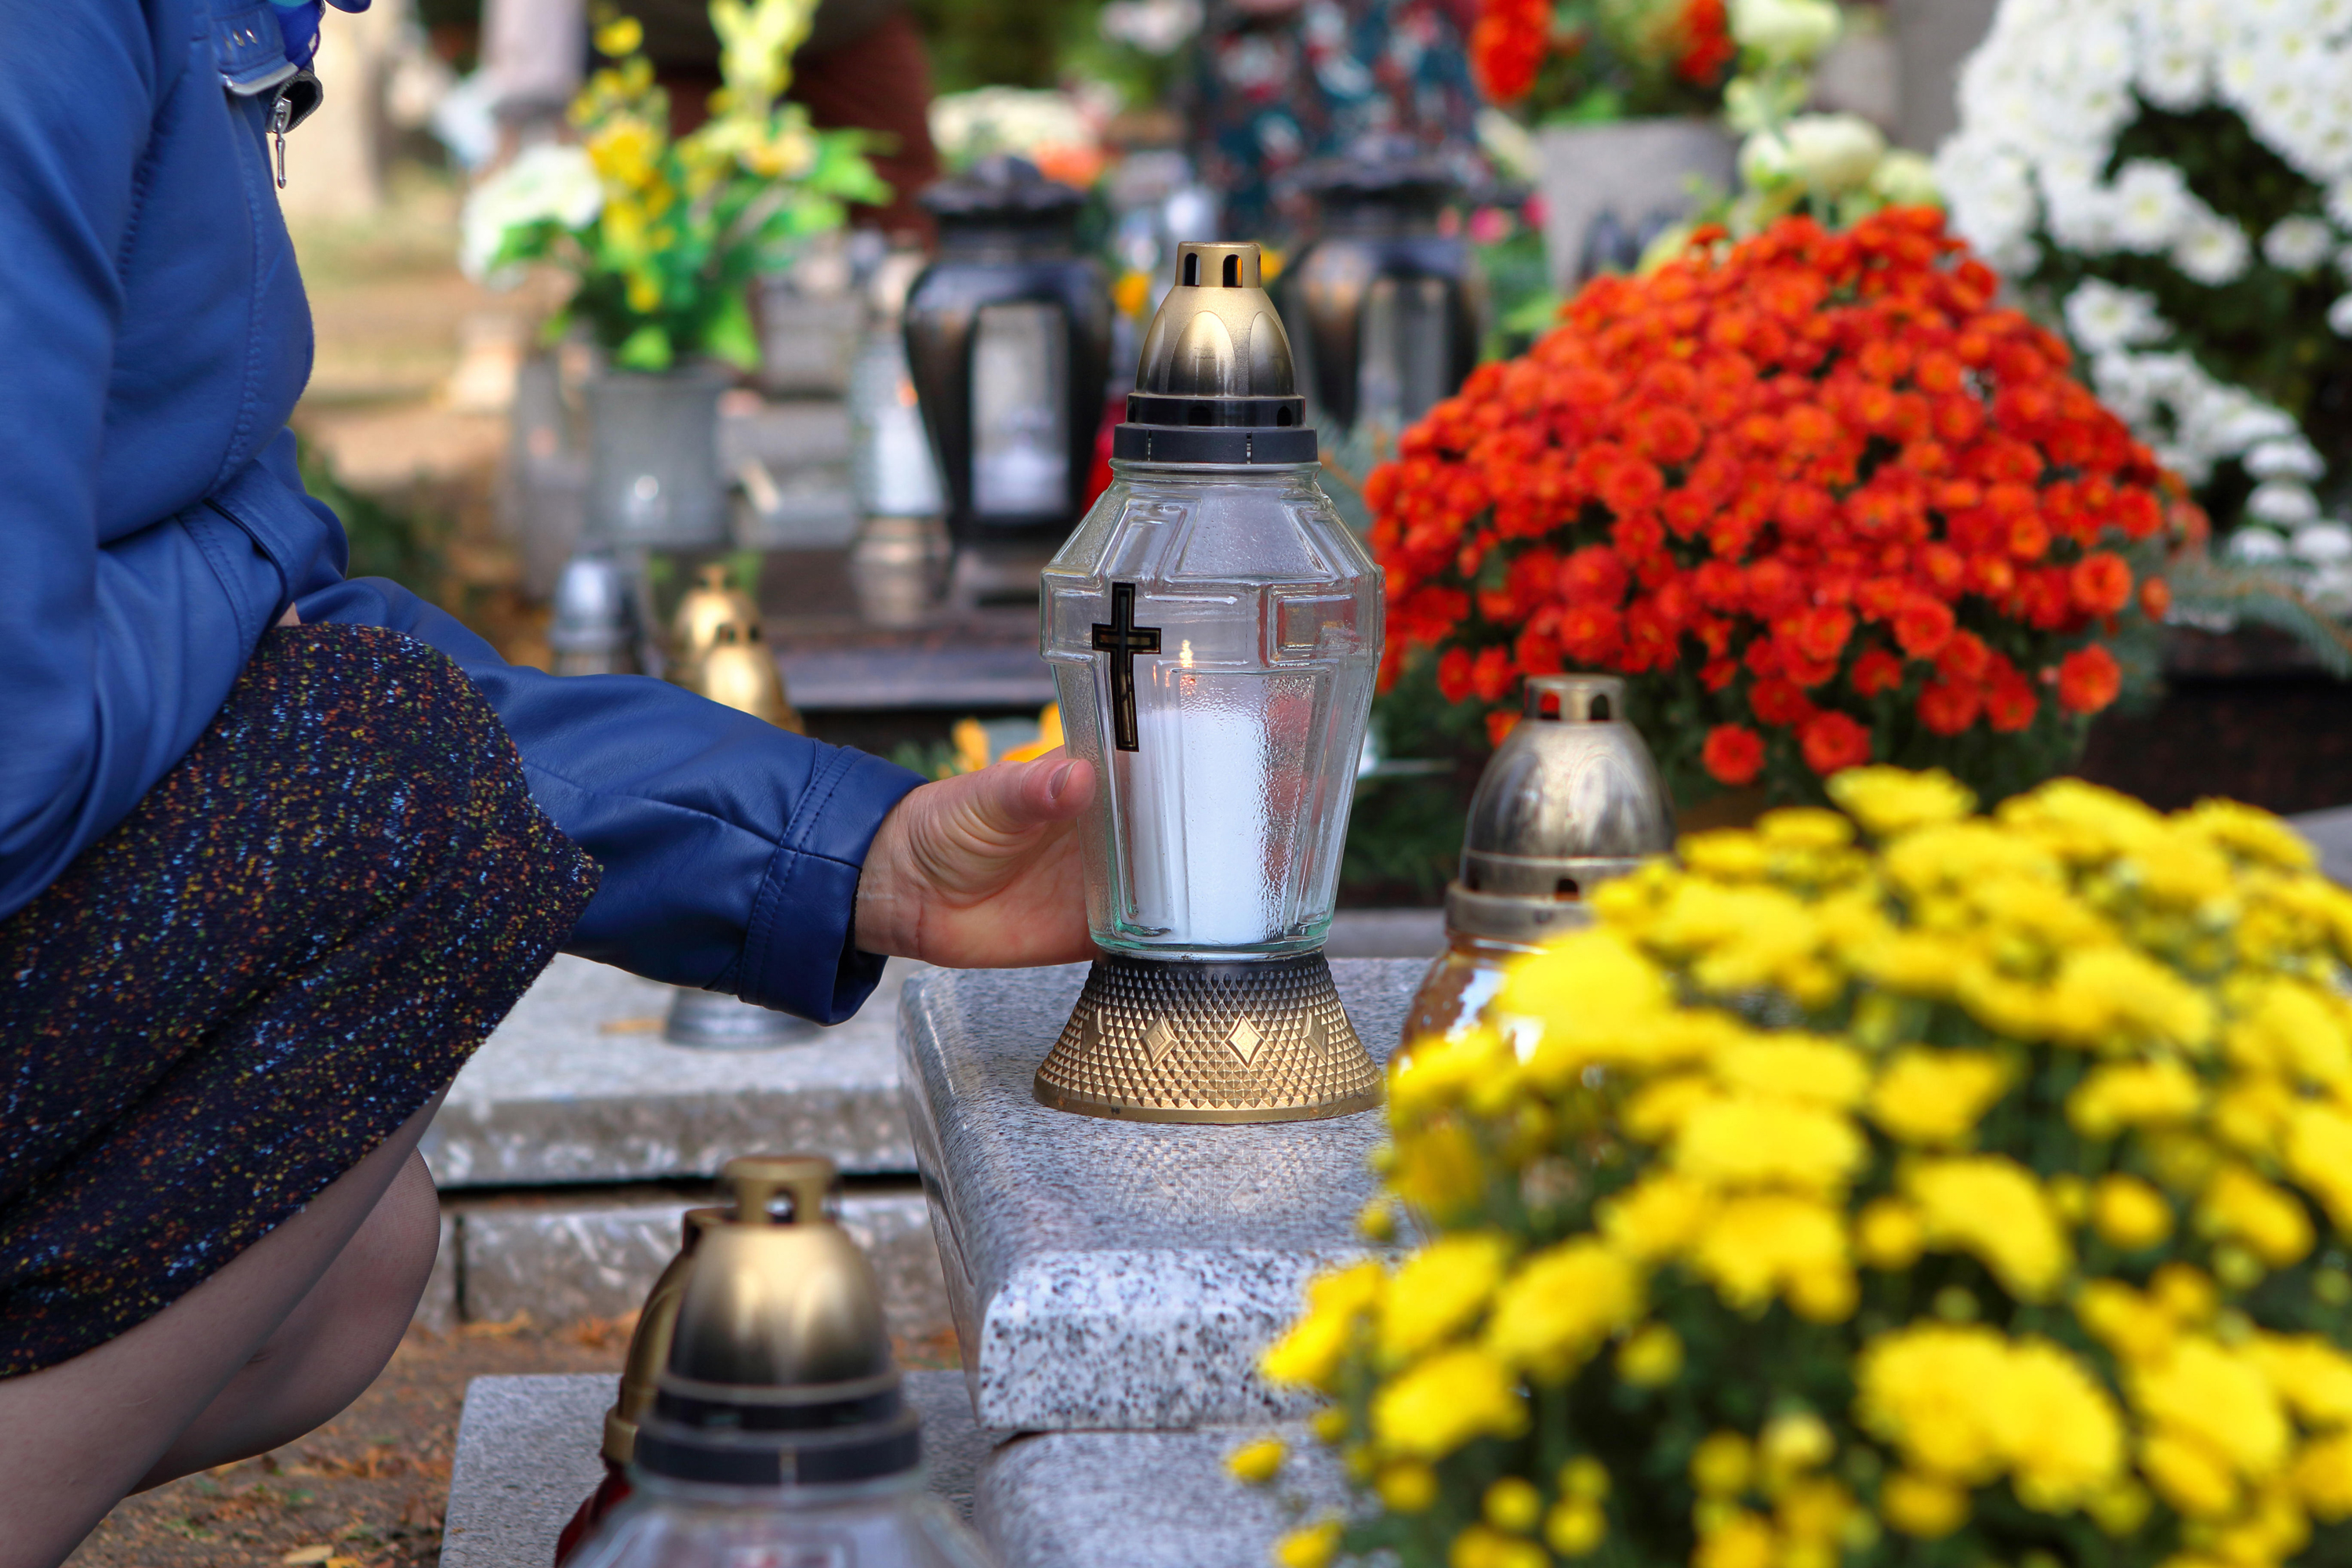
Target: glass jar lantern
1008	341
1387	306
1213	630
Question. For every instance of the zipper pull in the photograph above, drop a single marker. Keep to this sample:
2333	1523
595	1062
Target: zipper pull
281	116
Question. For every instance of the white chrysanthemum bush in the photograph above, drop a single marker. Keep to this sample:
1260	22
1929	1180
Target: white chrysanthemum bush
2174	178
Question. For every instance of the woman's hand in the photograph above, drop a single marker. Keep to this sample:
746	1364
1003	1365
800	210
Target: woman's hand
983	872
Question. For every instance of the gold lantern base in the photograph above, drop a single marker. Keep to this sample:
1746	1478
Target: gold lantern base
1226	1041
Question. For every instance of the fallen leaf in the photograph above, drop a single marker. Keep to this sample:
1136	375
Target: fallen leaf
508	1329
629	1027
305	1556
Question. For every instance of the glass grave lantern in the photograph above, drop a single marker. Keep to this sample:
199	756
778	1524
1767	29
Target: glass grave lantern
1386	305
1008	343
1213	630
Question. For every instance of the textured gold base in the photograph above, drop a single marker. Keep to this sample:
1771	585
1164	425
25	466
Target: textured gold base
1241	1040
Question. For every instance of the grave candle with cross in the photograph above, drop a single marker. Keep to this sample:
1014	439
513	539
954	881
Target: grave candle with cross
1213	630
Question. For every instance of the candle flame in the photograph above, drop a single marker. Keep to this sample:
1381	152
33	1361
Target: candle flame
1184	654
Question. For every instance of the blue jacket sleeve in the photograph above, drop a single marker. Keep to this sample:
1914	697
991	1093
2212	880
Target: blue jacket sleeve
116	656
731	850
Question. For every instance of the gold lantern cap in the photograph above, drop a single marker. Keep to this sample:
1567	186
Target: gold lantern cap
780	1370
1215	383
1571	799
649	1342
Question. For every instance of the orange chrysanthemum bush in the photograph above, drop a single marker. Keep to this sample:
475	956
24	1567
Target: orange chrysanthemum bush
1822	499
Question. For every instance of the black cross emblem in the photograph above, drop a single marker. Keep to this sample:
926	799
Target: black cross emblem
1123	639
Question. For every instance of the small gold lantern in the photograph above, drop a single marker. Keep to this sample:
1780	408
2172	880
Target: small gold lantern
720	651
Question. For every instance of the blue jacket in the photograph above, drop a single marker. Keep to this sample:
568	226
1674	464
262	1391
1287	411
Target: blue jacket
153	338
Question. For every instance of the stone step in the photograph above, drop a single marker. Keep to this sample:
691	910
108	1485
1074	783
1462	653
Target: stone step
1117	1274
578	1086
567	1254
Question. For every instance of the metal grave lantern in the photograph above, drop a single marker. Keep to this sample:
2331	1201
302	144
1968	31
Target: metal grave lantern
1213	630
1387	305
1008	340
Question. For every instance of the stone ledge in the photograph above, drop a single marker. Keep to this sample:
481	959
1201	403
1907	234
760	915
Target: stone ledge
578	1086
1113	1275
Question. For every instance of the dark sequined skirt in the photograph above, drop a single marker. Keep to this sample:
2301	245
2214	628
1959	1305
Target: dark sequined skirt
288	947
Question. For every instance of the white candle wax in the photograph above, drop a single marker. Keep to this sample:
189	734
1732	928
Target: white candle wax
1197	818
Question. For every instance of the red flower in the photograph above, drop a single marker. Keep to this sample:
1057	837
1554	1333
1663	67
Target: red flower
1593	575
1965	658
2010	700
2102	583
1834	741
1453	674
1948	707
2088	679
1733	755
1780	702
1508	45
1591	635
1821	632
1876	671
1923	625
2155	597
1492	676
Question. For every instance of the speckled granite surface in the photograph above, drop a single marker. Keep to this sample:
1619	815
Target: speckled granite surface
1114	1275
577	1085
1144	1500
527	1455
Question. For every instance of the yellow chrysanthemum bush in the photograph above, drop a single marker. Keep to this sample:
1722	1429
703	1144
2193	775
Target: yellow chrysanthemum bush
1890	1186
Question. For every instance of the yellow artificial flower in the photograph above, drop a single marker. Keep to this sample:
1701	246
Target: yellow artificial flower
2061	1434
2130	1214
1811	1070
1657	1217
1574	1526
2217	1396
620	36
1725	855
1560	1305
1409	1486
2269	1220
1337	1301
1963	1405
2189	1476
1798	1440
1888	1234
1438	1290
1658	1109
1991	1206
1438	1170
2251	833
1253	1464
1438	1404
2116	1095
1652	1358
1924	1096
645	293
2323	1476
1741	1541
1131	293
1772	1243
2319	1155
1513	1504
623	151
2310	1373
2291	1028
1889	801
2252	1115
1722	1464
1753	1142
2136	1328
1481	1546
2185	1292
1312	1547
2102	997
1922	1506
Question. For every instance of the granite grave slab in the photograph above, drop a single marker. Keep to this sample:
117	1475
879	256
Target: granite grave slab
577	1085
1114	1275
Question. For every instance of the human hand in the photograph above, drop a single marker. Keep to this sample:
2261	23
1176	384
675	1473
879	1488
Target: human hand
983	870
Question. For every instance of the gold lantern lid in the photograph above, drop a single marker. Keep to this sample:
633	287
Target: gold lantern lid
722	653
1571	799
649	1342
1215	383
780	1371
